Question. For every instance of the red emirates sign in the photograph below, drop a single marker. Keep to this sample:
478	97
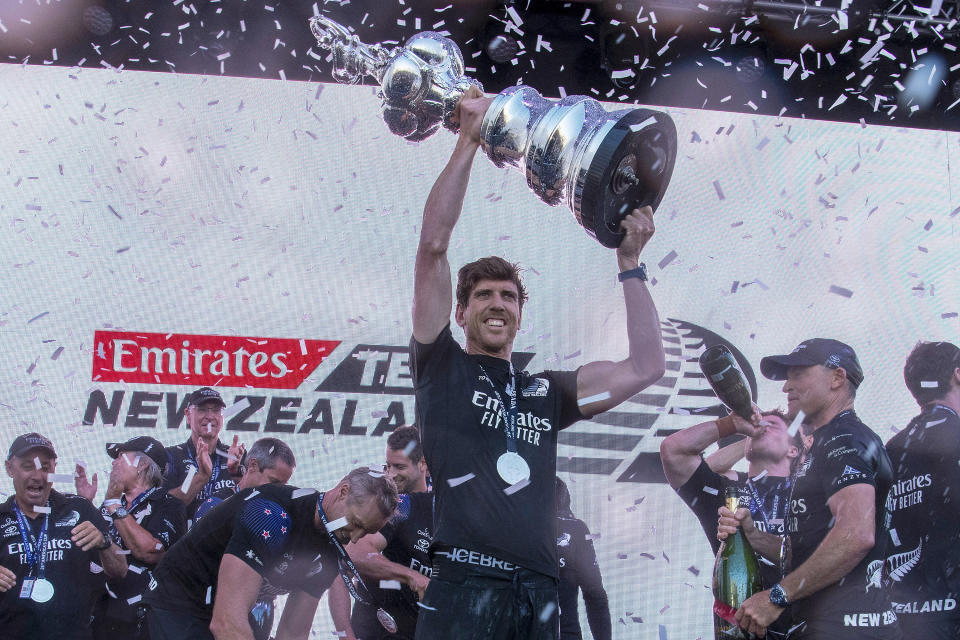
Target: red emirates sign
197	360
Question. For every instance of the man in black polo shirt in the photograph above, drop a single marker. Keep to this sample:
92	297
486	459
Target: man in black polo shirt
579	571
202	465
206	585
144	521
50	545
764	489
269	461
837	522
489	432
924	557
395	561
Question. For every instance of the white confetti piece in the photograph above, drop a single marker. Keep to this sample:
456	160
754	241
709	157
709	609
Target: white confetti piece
112	501
390	584
339	523
453	482
407	450
762	474
712	491
36	462
60	477
41	509
547	611
299	493
797	423
185	487
209	592
420	604
600	397
122	552
895	537
255	492
934	423
137	570
235	408
512	489
646	123
135	599
929	384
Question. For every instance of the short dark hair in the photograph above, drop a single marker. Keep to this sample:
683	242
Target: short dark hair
490	268
796	439
928	363
563	499
401	439
267	451
366	483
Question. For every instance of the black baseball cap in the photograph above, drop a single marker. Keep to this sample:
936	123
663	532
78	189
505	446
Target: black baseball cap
141	444
830	353
205	394
26	442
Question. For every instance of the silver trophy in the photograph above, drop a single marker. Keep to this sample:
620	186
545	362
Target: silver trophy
601	164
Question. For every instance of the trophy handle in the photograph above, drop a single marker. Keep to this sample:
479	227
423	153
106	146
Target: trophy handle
352	59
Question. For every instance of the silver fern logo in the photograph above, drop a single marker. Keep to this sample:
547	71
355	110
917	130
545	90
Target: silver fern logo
898	566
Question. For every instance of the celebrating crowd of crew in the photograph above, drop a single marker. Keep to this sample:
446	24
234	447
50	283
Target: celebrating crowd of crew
197	540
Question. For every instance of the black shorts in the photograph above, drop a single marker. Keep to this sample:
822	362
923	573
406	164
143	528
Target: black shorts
473	602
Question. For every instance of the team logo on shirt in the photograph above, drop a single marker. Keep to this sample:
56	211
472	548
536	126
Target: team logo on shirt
537	388
11	530
898	566
564	540
69	520
849	473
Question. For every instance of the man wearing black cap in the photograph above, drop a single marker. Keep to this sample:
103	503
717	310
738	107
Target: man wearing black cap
202	465
837	525
924	558
143	520
50	545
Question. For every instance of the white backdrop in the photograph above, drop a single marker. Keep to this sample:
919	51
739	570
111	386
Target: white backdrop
140	202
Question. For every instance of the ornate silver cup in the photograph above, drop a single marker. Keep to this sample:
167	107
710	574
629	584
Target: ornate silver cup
601	164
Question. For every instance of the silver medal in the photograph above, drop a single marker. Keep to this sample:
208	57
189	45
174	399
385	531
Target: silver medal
42	590
513	468
387	620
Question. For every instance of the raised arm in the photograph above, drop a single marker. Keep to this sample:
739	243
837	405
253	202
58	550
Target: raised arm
680	451
604	385
722	460
432	290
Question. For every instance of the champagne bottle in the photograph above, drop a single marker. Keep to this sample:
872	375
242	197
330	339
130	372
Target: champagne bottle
736	577
726	380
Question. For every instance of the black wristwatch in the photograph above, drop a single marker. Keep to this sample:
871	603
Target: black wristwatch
106	543
119	513
778	596
639	272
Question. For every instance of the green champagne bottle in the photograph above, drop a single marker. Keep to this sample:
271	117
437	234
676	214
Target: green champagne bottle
736	577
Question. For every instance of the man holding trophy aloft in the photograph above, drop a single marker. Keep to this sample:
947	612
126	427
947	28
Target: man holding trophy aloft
489	432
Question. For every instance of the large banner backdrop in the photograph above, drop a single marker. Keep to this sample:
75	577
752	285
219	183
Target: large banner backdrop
163	232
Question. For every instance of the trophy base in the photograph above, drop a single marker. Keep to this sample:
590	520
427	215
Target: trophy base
630	168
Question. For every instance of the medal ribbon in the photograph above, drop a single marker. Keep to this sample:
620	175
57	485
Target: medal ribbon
758	503
509	419
207	490
344	559
36	556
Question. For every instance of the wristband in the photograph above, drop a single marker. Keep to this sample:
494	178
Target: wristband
639	272
106	543
725	426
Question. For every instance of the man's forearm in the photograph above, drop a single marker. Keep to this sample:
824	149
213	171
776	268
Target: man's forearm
376	567
193	489
445	202
114	562
839	552
643	329
766	544
140	542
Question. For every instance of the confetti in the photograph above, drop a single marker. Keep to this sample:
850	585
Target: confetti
711	490
208	596
547	611
797	423
512	489
929	384
185	486
840	291
60	477
390	584
407	450
339	523
299	493
600	397
37	509
453	482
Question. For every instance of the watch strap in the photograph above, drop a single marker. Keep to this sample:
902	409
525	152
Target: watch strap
639	272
